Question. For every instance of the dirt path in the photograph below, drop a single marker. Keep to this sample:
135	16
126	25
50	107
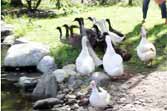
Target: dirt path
141	93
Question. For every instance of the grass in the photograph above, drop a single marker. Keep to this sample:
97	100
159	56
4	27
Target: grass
125	19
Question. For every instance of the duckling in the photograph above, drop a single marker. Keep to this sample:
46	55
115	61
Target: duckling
146	51
99	99
112	62
62	39
84	62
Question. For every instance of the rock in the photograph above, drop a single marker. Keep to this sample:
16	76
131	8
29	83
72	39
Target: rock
100	77
123	100
90	108
84	101
4	49
21	41
62	74
46	103
83	109
28	83
61	96
80	94
71	101
25	54
46	87
6	29
56	106
70	96
74	82
70	67
47	65
64	108
75	106
9	39
67	91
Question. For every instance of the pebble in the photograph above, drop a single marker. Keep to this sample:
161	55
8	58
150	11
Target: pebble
71	96
84	102
122	100
71	101
61	96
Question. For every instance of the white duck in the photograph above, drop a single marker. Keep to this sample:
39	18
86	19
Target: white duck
114	37
145	50
98	99
84	62
112	62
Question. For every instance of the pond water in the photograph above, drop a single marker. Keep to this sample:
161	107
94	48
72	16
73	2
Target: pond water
13	98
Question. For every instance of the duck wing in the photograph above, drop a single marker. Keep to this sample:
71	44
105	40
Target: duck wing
147	47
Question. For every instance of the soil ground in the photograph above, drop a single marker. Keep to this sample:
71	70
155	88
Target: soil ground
142	92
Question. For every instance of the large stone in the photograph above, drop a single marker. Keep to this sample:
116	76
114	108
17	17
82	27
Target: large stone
28	54
47	64
46	87
62	74
4	49
100	77
46	103
6	29
26	80
74	82
9	39
70	67
21	40
27	83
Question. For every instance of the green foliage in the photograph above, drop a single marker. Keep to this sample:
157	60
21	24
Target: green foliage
5	4
64	55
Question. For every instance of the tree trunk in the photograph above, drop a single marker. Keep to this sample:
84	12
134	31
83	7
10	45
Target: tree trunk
58	4
130	2
16	3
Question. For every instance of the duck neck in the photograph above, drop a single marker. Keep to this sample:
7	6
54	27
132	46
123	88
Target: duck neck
85	48
60	31
67	32
80	26
109	25
94	90
110	48
144	39
72	31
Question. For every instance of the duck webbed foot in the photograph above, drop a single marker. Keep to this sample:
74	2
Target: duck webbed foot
150	64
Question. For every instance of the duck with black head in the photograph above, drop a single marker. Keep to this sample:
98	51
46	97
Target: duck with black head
91	34
62	39
84	63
